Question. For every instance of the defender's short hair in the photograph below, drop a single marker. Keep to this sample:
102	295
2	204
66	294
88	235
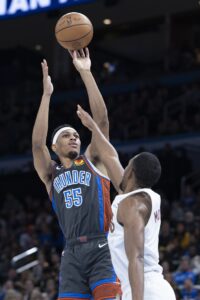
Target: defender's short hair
58	128
147	169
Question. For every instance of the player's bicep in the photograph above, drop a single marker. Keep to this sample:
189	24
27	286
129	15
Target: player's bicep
42	163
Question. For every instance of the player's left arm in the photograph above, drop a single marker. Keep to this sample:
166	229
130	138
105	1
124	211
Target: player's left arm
133	214
82	62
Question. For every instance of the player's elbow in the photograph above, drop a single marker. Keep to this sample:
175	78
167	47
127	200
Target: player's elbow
140	257
37	143
104	126
104	120
37	149
137	256
36	146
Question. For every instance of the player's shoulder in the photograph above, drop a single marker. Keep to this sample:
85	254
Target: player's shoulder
139	201
133	206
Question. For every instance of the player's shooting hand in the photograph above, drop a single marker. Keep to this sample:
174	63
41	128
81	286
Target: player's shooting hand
85	118
81	59
47	84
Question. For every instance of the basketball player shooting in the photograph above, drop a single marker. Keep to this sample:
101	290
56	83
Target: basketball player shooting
134	234
79	190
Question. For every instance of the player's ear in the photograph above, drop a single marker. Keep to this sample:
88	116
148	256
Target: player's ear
53	148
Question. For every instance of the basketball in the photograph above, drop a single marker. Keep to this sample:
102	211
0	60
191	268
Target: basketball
74	31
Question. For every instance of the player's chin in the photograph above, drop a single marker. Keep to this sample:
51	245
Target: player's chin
73	154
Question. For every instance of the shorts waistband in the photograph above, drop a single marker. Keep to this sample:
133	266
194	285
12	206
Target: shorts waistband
84	239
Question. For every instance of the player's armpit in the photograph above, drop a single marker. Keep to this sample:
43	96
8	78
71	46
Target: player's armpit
93	156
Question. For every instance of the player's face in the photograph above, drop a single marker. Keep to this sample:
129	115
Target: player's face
68	144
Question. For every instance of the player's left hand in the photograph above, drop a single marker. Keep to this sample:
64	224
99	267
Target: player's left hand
85	118
81	59
47	84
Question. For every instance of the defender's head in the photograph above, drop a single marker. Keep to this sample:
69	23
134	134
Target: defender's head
66	142
143	170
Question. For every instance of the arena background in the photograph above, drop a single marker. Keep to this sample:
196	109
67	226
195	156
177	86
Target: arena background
147	65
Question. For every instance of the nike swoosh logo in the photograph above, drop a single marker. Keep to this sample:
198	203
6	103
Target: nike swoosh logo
102	245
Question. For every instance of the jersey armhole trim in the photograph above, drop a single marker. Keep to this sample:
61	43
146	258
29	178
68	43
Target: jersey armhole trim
94	169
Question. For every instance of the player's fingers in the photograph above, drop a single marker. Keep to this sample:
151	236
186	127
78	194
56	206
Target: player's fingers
44	72
79	115
78	54
44	67
87	52
70	53
79	107
45	63
82	53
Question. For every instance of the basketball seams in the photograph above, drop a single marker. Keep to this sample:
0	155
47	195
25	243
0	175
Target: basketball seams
74	31
81	24
76	39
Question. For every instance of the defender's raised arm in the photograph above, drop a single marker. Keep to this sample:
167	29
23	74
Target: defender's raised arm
106	151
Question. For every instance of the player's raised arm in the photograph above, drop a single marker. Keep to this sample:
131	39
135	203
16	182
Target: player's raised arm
41	155
106	151
82	62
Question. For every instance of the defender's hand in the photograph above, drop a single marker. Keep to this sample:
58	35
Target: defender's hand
81	59
47	84
85	118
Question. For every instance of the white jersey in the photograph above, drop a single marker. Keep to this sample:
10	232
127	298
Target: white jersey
151	239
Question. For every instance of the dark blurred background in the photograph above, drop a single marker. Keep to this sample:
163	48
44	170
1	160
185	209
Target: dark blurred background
146	60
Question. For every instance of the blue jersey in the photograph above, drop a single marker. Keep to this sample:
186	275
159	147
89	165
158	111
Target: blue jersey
81	199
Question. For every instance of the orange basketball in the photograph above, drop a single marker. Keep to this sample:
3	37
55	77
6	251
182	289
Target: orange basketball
74	31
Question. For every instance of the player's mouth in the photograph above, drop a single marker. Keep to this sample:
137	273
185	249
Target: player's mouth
74	145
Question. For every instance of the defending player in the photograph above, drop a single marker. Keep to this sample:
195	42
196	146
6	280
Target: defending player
133	238
79	193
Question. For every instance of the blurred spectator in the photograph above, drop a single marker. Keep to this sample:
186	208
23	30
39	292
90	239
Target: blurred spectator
188	196
11	294
184	272
189	292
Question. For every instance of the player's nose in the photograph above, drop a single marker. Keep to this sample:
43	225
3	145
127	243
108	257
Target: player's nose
73	138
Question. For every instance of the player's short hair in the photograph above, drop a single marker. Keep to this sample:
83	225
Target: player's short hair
58	128
147	169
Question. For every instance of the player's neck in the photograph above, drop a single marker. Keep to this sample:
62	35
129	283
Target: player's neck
66	162
130	187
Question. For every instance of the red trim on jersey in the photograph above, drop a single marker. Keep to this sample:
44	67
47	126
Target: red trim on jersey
105	183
